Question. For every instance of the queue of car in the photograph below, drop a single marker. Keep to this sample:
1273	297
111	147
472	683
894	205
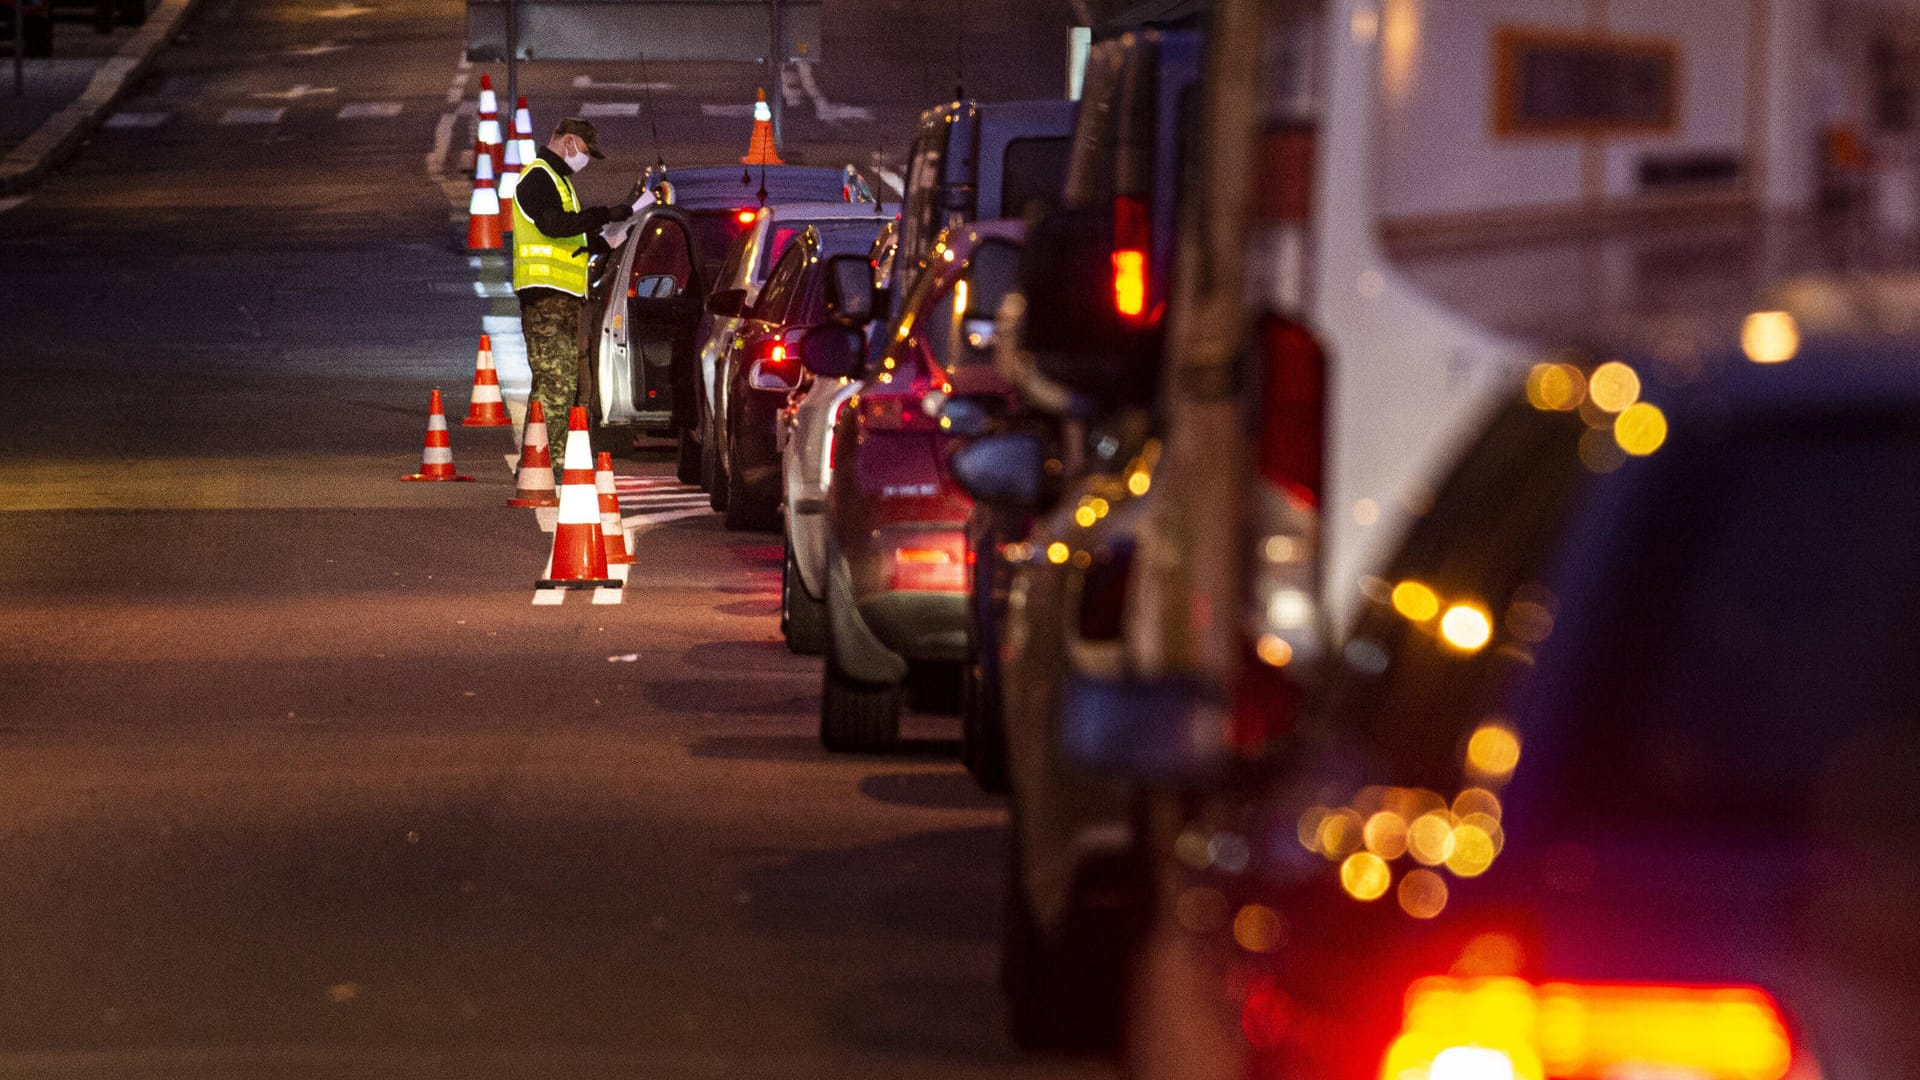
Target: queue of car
1595	764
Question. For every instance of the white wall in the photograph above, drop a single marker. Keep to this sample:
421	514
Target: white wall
1440	156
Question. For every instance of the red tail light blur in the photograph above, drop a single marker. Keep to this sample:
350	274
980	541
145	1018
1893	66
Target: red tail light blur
1132	235
1293	409
1509	1029
744	217
930	562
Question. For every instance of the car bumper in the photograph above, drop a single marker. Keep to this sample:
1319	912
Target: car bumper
918	625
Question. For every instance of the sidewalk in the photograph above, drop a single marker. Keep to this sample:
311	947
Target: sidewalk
69	94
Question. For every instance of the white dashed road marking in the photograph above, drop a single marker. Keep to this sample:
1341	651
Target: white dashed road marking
136	120
609	108
369	110
588	82
321	49
251	116
296	93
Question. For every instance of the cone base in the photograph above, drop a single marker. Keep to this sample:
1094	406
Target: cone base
489	421
424	477
596	583
533	500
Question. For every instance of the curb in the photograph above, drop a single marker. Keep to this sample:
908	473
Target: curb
28	163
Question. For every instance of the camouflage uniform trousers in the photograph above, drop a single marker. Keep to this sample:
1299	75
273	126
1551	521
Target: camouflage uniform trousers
550	322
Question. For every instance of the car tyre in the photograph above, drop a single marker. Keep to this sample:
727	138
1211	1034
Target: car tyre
1066	990
687	469
714	472
856	716
802	618
749	510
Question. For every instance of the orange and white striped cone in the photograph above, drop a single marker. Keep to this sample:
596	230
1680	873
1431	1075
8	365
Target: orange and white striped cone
510	183
483	210
611	529
523	132
486	408
760	148
579	559
534	478
436	458
486	133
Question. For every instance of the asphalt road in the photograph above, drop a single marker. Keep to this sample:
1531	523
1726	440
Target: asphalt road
294	779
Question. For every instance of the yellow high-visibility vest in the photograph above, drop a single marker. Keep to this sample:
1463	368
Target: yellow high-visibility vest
546	262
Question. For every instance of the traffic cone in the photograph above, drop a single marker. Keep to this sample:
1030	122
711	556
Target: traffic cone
436	459
535	475
579	559
523	131
760	149
510	183
485	408
483	210
486	133
611	529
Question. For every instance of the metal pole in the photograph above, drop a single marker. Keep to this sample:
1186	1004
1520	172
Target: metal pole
513	64
774	69
19	48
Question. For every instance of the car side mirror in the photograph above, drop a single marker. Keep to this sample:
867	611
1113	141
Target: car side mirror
850	291
728	302
964	416
833	351
1004	470
778	375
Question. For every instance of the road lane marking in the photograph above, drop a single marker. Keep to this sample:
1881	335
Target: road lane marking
343	11
321	49
296	93
894	181
823	109
251	116
588	82
136	120
488	289
369	110
609	108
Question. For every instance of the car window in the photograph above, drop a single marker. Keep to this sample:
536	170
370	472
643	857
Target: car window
1089	182
1762	634
729	271
778	295
1035	169
923	215
662	260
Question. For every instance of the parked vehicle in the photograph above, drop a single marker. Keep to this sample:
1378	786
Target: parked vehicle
1087	353
895	545
761	368
643	345
809	425
1630	790
731	313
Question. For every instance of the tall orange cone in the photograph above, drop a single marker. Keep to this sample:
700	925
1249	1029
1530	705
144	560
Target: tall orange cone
483	210
485	407
611	528
486	133
523	132
579	559
436	458
760	149
535	475
519	154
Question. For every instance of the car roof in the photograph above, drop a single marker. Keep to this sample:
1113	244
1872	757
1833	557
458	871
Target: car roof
819	210
707	187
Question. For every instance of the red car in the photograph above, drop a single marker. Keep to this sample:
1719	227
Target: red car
897	545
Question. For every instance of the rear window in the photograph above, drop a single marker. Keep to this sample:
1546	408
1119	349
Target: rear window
1034	172
715	232
836	236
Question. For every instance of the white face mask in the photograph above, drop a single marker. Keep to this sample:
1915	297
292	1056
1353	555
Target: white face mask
577	162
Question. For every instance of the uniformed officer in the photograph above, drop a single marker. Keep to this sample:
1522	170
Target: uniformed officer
553	236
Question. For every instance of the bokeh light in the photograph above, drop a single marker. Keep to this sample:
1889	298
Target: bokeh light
1613	386
1422	894
1365	876
1385	835
1493	751
1770	337
1258	928
1466	627
1641	429
1415	601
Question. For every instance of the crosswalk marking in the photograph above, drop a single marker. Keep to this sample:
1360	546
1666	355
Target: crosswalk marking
136	120
656	500
369	110
252	116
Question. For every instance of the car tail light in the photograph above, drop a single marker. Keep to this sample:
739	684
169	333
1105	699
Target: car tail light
930	562
1510	1029
744	217
1285	624
1132	234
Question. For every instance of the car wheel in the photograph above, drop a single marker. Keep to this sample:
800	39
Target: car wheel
1066	989
856	716
715	473
802	618
687	469
750	509
983	744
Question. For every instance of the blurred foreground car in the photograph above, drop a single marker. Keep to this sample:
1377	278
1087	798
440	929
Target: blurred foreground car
1618	774
896	544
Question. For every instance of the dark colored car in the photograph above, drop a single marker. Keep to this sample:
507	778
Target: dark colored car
642	345
1619	774
896	544
762	364
1086	357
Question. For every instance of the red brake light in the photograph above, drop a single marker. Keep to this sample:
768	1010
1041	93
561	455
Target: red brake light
935	562
1132	234
1293	409
745	217
1501	1028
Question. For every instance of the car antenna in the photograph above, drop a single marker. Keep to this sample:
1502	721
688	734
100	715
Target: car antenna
653	119
960	51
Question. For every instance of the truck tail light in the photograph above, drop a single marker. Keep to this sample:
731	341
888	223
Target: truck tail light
1509	1029
1132	234
930	562
1285	623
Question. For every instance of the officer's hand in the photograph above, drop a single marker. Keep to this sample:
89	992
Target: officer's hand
619	213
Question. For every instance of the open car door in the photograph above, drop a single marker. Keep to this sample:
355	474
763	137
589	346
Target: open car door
646	335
